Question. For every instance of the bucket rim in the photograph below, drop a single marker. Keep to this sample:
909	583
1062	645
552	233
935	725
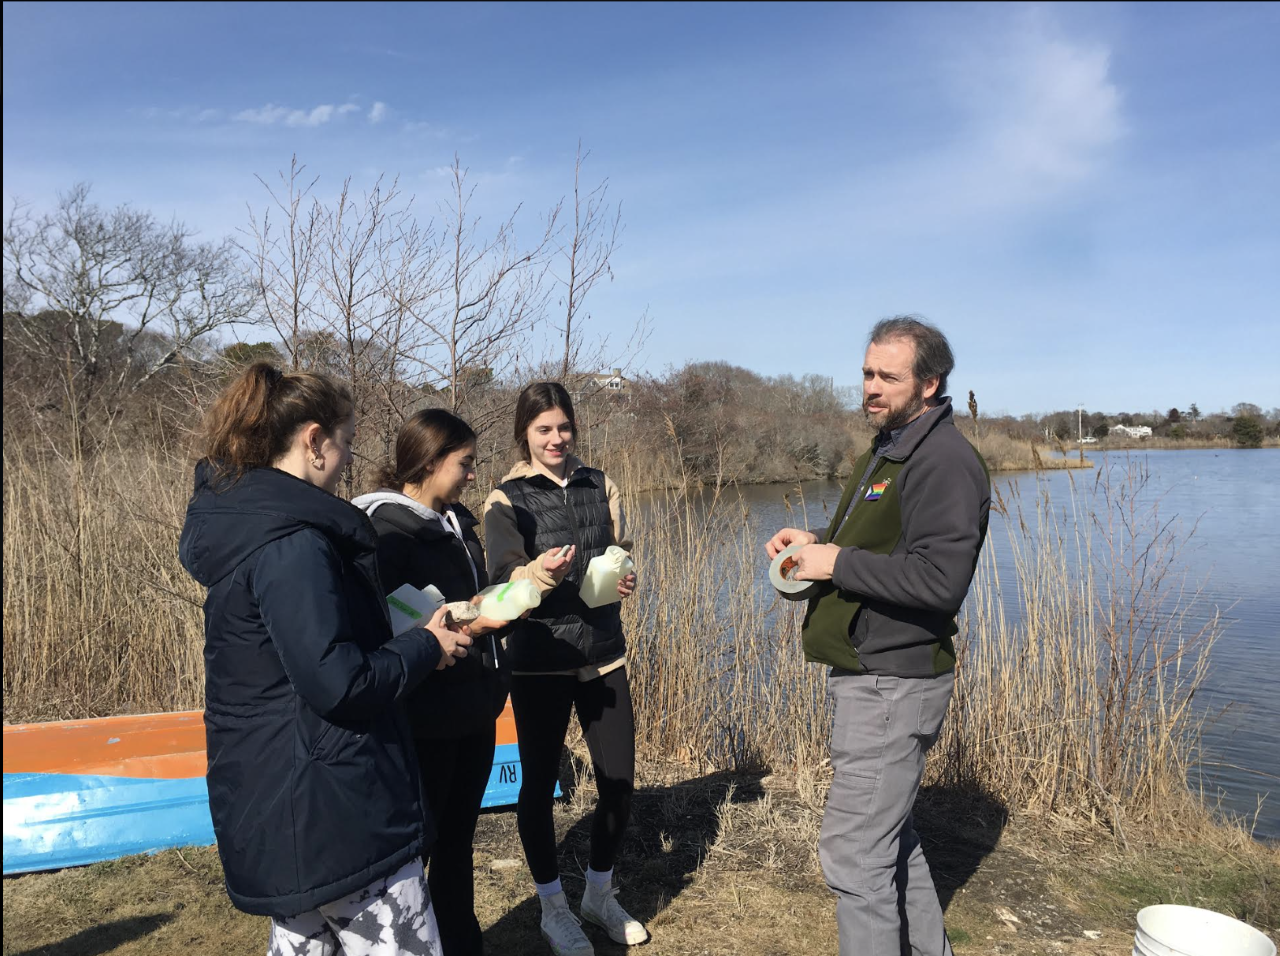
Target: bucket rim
1148	912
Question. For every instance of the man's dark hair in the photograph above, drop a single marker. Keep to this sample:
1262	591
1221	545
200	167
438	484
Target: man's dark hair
933	351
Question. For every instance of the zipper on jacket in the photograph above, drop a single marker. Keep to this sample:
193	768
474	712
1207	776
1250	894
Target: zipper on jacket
573	530
844	516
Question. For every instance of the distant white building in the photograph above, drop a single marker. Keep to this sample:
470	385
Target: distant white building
1131	431
613	382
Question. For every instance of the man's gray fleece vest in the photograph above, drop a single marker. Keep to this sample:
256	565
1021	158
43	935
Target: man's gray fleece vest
563	633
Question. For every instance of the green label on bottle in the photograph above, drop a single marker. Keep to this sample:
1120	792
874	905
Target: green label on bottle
403	608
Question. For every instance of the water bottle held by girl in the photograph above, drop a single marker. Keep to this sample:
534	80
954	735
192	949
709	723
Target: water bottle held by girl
600	585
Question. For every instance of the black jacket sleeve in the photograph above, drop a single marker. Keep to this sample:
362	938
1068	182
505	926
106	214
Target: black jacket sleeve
298	585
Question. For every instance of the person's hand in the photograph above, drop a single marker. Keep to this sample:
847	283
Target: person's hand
787	537
557	566
480	626
815	562
627	586
453	643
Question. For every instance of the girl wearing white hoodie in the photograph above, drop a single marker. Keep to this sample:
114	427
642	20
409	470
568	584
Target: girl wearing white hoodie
426	537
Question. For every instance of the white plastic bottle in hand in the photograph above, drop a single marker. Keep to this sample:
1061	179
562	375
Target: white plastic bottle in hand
506	602
600	586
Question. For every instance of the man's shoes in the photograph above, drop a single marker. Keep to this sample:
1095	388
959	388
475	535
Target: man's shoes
563	930
600	906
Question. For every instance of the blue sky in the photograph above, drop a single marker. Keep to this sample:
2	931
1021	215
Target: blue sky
1085	198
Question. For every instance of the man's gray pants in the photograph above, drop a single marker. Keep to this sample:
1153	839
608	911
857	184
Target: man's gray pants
871	857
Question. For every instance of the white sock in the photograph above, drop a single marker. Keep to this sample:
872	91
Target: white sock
549	889
599	880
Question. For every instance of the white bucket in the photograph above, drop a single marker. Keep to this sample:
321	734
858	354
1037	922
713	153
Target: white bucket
1188	931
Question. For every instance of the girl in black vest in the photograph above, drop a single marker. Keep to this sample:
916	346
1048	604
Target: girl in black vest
426	537
313	785
546	521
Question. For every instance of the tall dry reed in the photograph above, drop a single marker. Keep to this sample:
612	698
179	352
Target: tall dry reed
99	617
1074	685
1075	679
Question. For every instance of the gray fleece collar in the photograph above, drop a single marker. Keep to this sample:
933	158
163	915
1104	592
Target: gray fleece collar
374	500
901	446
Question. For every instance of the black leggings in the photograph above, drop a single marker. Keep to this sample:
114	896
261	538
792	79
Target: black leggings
541	704
454	774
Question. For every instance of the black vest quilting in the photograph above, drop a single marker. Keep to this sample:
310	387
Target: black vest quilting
562	632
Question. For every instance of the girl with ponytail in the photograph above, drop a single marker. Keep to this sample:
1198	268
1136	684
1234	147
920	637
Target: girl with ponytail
313	782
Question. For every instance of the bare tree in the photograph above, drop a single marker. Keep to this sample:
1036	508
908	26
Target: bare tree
111	299
285	266
586	256
469	332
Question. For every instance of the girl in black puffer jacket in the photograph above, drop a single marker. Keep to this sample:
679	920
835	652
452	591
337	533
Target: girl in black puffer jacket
565	656
426	538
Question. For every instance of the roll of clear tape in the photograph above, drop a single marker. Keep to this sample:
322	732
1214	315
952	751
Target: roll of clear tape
780	571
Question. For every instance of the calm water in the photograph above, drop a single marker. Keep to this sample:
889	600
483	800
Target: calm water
1232	499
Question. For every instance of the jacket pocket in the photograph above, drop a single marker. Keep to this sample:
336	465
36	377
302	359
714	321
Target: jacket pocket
323	738
860	629
326	733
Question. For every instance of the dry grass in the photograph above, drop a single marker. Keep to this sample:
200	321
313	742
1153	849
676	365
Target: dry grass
99	617
1003	453
1078	707
1082	705
716	865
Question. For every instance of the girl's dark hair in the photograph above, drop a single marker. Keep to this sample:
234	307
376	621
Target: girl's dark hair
256	416
534	400
425	439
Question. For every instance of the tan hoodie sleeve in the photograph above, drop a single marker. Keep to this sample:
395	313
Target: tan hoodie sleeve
618	515
504	545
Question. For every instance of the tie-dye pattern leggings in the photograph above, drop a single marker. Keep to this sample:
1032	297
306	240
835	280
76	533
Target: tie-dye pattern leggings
390	916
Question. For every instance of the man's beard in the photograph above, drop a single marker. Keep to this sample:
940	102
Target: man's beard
898	418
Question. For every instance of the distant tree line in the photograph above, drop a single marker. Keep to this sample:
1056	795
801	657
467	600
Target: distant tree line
1246	424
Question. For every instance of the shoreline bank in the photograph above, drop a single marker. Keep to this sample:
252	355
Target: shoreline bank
715	864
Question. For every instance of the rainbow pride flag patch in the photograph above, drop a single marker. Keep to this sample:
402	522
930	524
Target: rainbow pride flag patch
876	490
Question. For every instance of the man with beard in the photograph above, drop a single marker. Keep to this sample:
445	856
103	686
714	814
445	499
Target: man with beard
895	566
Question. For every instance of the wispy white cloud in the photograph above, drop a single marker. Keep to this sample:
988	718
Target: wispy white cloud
1047	109
272	115
1038	115
378	113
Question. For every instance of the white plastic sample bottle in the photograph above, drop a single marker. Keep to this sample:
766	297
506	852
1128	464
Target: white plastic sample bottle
600	586
506	602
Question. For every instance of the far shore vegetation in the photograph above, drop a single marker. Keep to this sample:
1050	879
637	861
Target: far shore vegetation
1070	752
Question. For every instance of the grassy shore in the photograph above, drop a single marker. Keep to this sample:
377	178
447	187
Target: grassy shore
722	863
1174	444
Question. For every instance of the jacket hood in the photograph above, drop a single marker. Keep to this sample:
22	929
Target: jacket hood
228	520
374	500
525	469
419	517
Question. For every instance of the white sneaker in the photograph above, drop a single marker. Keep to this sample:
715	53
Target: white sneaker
562	930
600	906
